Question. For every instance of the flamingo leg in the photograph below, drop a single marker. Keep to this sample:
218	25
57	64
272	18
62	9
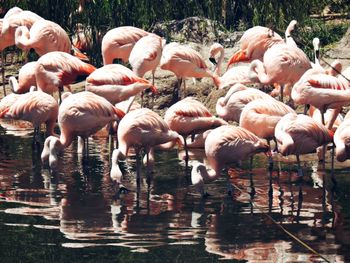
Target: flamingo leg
60	90
138	168
300	170
186	151
281	93
3	58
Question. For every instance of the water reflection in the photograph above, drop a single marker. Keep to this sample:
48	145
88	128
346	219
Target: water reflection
79	200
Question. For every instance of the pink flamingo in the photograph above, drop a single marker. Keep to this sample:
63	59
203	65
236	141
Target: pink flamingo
81	114
300	134
140	128
8	101
342	139
36	107
26	78
145	55
238	74
230	107
116	83
261	116
223	146
254	43
184	62
14	19
56	69
189	116
118	43
44	36
324	92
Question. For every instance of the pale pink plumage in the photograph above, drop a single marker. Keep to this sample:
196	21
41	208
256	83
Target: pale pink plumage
36	107
300	134
322	91
225	145
254	43
190	116
282	64
118	43
145	55
342	140
140	128
81	114
230	107
44	36
261	116
116	83
12	21
26	78
56	69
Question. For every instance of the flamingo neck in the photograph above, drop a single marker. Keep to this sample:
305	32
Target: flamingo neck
22	37
14	84
257	72
217	71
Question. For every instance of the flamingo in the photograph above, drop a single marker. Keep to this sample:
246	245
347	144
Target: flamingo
116	83
324	92
184	62
36	107
8	101
342	140
26	78
300	134
80	114
238	74
254	43
13	19
225	145
189	116
140	128
145	55
230	107
44	36
56	69
282	64
261	116
118	43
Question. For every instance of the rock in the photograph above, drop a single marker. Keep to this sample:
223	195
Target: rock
341	51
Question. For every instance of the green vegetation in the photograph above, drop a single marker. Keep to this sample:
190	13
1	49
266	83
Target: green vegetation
102	15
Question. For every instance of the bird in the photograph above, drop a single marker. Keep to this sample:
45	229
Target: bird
140	129
342	140
188	117
36	107
26	78
237	74
184	62
225	145
261	116
44	36
13	19
145	55
300	134
8	100
281	64
116	83
80	114
230	107
254	43
56	69
118	42
317	116
324	92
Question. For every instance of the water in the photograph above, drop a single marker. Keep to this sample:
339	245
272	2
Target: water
73	215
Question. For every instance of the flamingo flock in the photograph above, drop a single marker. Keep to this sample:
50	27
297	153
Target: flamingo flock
247	118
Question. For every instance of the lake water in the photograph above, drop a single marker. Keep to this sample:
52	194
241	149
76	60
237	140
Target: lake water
73	214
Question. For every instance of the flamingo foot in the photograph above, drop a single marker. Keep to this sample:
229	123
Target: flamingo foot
300	172
229	189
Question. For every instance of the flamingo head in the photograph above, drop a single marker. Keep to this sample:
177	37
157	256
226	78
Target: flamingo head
197	172
50	151
116	174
